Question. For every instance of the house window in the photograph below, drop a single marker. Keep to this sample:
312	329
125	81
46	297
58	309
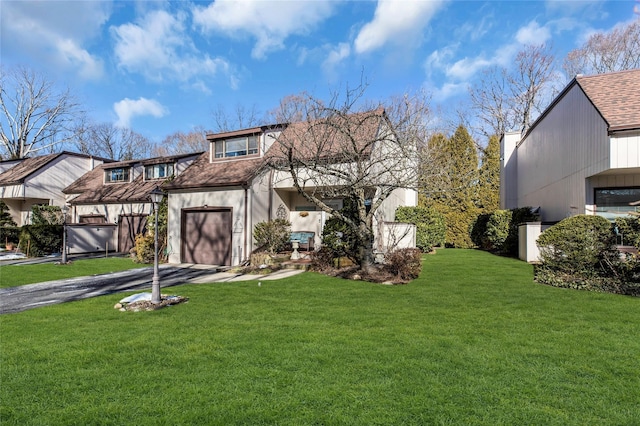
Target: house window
617	201
236	147
158	171
117	175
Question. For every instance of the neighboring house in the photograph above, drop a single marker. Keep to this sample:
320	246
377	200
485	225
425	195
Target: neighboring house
40	181
113	200
582	156
216	203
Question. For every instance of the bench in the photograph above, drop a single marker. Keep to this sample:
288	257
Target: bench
304	238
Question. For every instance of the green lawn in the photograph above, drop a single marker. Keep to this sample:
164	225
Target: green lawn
14	275
472	341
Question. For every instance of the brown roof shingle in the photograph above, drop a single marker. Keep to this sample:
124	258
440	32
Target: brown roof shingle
616	95
336	138
205	174
92	189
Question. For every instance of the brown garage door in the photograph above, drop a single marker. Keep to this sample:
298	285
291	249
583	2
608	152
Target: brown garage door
206	236
130	225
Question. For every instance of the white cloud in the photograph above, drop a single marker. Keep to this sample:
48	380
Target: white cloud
533	34
42	31
396	22
158	47
269	22
127	109
467	67
336	55
449	90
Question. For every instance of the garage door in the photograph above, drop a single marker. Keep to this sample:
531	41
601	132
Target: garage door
206	236
130	225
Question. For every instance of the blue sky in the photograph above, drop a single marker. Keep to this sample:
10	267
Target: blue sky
160	67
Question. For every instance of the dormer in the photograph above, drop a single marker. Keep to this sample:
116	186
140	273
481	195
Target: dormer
246	143
159	171
119	174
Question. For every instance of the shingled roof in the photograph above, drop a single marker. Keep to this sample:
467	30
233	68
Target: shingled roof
205	174
616	95
92	188
336	138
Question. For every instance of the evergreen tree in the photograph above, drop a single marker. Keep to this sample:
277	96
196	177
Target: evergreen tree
454	192
489	177
5	216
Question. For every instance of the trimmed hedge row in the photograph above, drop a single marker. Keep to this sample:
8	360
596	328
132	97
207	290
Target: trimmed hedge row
430	226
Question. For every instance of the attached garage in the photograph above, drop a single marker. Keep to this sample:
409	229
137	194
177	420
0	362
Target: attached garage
206	236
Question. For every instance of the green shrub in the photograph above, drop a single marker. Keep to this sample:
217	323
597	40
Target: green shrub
404	263
498	229
9	234
628	230
518	217
272	236
40	240
579	252
430	226
339	237
577	244
479	231
491	230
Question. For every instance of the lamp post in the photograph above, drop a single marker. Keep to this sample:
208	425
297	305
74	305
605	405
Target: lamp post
155	196
65	210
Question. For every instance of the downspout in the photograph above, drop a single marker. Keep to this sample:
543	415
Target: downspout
246	217
270	210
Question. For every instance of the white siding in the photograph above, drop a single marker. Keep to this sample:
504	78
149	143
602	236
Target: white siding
509	170
625	151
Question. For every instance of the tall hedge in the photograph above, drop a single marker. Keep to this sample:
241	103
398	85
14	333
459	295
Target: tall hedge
430	226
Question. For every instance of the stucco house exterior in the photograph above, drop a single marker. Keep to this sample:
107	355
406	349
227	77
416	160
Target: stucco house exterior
110	204
582	156
216	203
40	181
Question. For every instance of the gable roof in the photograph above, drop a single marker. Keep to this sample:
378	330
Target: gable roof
24	168
616	96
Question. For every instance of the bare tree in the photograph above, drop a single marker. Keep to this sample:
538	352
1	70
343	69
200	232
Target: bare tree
492	100
183	143
617	50
359	154
35	116
109	141
240	118
532	84
508	100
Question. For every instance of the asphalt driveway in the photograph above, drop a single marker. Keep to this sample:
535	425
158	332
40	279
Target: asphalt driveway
17	299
